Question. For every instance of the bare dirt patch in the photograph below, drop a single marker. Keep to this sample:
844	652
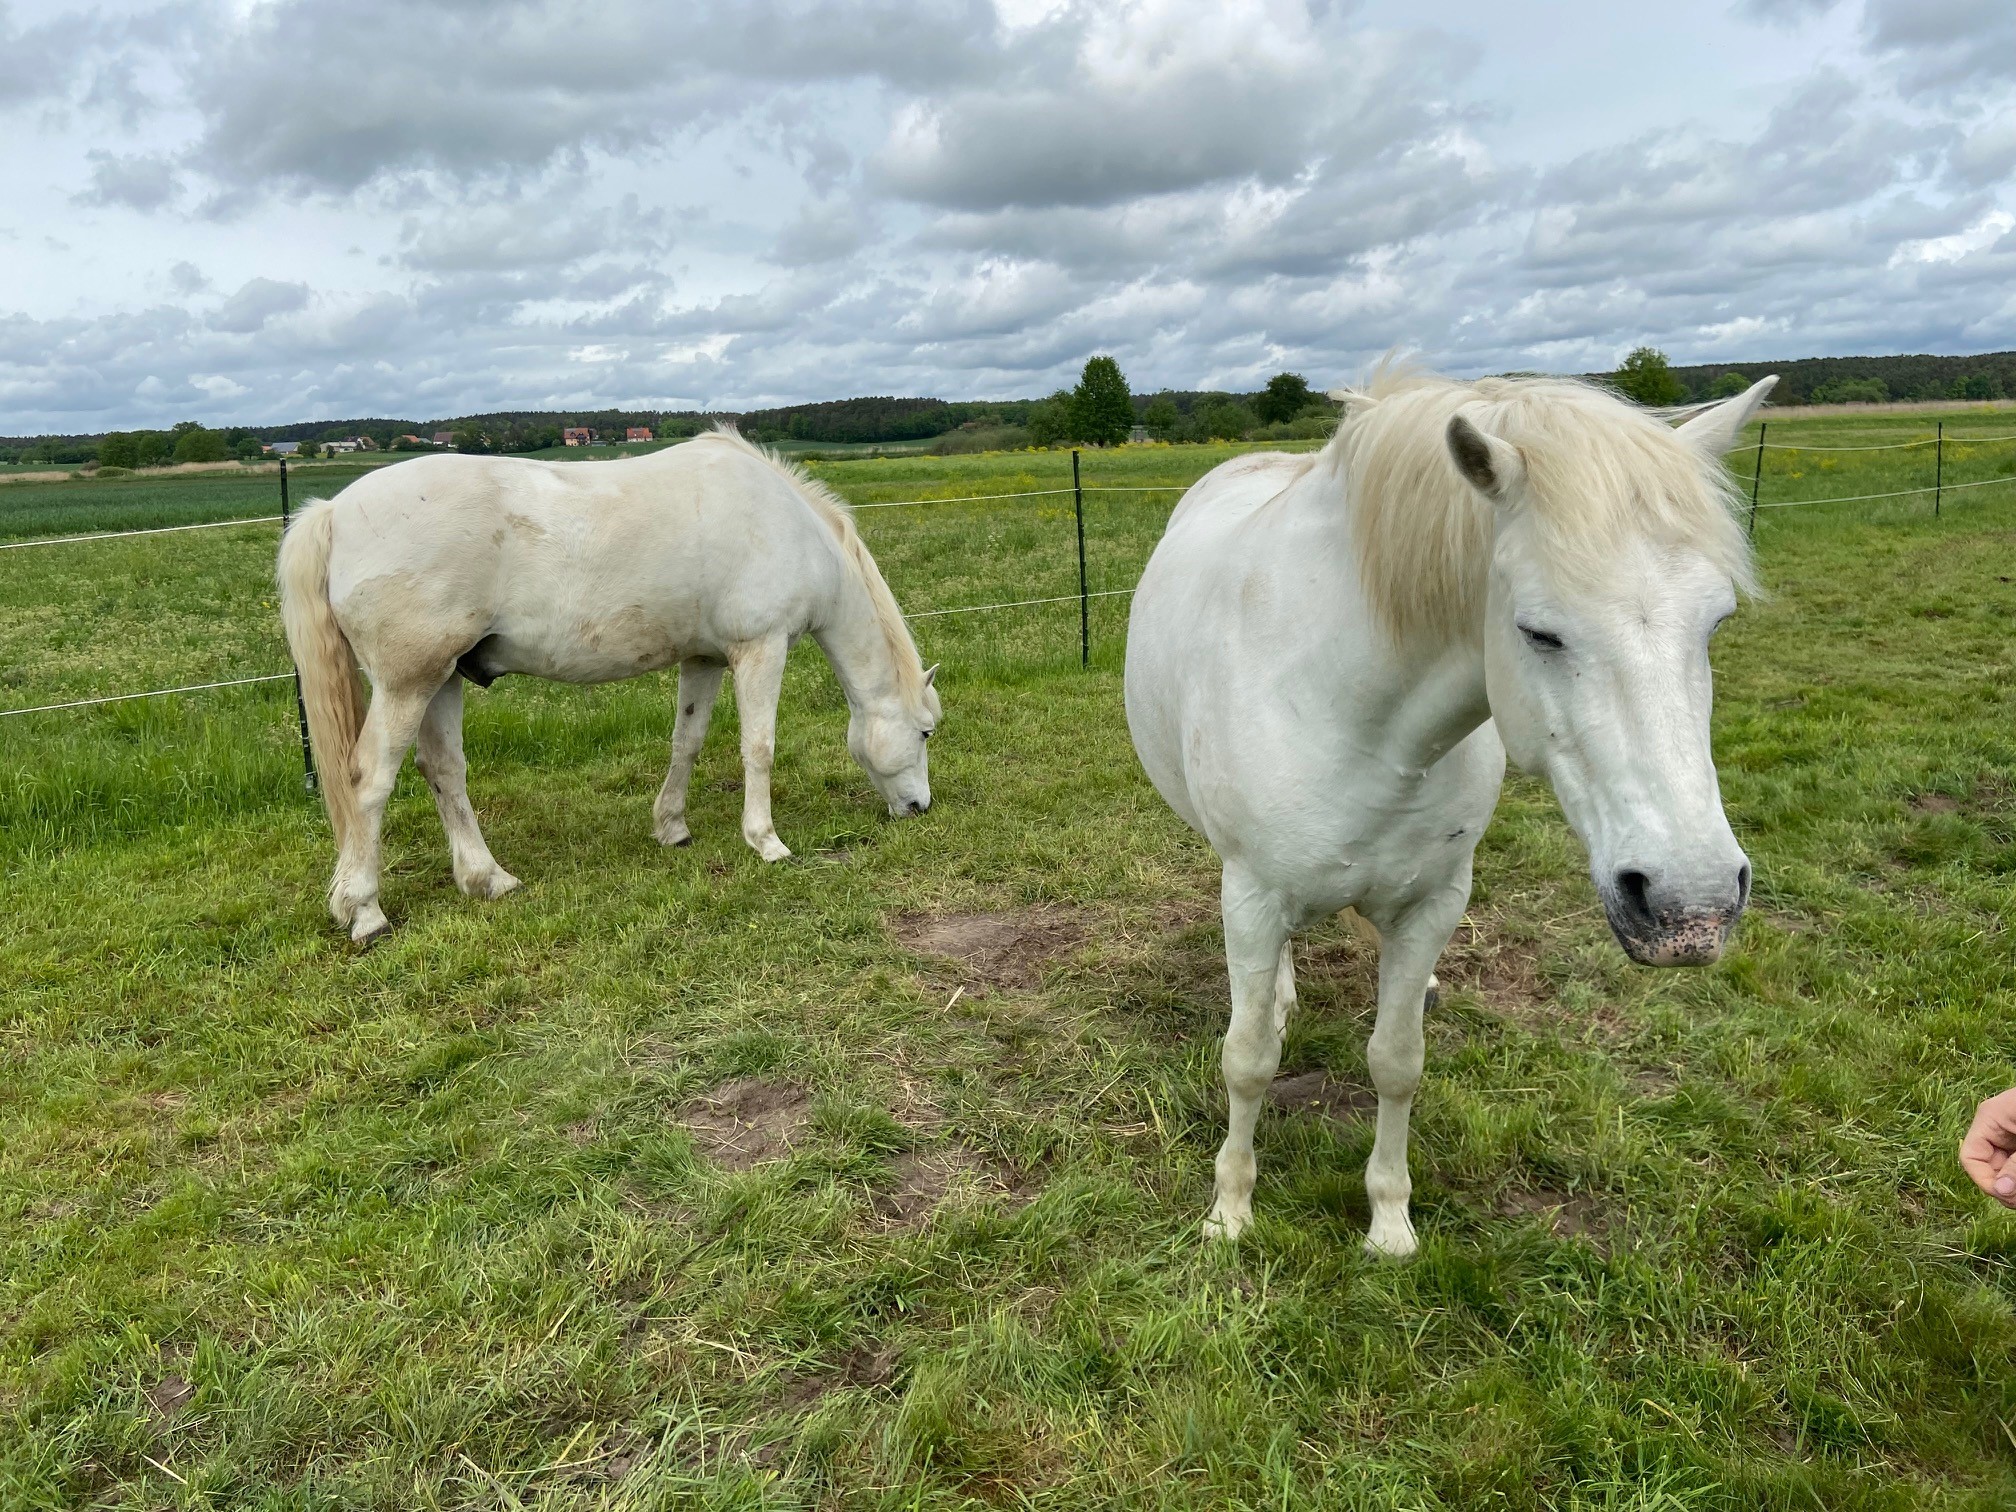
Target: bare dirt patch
860	1366
1934	803
1655	1082
1315	1092
921	1180
1500	971
168	1396
1567	1215
1000	948
744	1123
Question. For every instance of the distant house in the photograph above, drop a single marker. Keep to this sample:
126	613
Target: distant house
411	440
444	438
577	435
638	433
1137	436
281	448
333	447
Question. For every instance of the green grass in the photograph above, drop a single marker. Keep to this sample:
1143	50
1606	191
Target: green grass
427	1227
148	500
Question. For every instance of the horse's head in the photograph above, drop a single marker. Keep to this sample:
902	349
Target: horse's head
890	738
1615	558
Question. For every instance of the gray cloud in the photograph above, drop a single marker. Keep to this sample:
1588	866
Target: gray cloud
824	231
1786	12
143	181
1132	113
508	89
257	302
538	233
1945	44
42	61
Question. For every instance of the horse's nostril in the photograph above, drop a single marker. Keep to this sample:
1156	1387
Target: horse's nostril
1635	889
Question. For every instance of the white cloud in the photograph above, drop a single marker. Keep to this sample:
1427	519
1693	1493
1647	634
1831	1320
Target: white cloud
1980	236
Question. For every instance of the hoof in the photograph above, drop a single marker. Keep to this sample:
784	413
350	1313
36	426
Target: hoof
491	884
1225	1227
770	848
675	833
1391	1241
371	927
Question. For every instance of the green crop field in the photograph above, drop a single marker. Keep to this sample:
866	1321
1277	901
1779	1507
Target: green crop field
875	1179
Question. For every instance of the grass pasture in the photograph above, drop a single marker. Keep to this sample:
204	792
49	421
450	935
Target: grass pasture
874	1179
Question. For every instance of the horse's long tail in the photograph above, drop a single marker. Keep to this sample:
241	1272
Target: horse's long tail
322	655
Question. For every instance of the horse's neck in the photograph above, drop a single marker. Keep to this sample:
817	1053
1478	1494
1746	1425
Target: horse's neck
1409	704
853	640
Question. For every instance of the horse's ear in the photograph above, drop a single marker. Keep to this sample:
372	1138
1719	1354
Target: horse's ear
931	673
1491	466
1715	430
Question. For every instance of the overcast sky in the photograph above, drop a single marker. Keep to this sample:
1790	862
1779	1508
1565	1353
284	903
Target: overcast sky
263	210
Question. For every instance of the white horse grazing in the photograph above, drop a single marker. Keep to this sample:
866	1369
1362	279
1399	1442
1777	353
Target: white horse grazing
714	555
1319	648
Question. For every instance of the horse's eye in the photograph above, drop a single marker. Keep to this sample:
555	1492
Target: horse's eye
1541	640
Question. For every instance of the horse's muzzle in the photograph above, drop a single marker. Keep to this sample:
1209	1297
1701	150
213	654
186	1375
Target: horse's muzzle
1657	927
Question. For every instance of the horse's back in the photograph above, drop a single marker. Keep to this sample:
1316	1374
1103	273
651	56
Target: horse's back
1235	488
587	571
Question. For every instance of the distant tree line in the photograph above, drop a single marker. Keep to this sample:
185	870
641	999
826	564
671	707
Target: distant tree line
1649	378
1099	410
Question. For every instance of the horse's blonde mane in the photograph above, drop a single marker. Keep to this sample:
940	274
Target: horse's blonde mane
1600	473
832	509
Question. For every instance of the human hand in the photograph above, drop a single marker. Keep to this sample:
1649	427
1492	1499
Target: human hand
1991	1141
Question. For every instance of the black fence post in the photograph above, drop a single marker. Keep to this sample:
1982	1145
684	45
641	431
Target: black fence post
1084	598
1939	470
1757	477
300	705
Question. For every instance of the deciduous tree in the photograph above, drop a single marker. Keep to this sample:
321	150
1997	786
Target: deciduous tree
1102	410
1285	397
1647	377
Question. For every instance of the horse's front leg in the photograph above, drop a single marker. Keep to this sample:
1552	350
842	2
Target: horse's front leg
1409	946
699	685
759	683
1256	941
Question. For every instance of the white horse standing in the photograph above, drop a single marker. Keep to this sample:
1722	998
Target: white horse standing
1319	648
715	555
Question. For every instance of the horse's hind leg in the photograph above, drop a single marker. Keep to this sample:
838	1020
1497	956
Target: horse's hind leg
1256	939
699	685
759	683
1409	946
440	761
395	718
